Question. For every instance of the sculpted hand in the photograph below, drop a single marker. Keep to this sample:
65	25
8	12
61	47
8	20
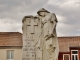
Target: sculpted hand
51	48
48	36
52	35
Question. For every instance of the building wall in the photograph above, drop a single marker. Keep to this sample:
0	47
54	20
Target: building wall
61	54
60	57
17	53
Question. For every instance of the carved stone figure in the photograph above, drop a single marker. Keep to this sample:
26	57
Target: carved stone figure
50	48
39	36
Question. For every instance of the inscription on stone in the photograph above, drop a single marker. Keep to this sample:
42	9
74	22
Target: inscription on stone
29	49
29	34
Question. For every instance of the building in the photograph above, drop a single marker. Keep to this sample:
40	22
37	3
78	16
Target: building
11	47
69	48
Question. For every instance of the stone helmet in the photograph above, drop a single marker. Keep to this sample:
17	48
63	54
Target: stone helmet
42	10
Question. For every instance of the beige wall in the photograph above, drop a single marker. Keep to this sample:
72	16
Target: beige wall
17	53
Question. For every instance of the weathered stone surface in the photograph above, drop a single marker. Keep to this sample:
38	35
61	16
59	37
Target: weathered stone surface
29	33
39	36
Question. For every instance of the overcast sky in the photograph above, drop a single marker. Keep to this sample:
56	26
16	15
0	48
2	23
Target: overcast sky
67	12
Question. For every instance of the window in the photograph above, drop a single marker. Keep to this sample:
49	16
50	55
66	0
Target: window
74	54
66	57
10	55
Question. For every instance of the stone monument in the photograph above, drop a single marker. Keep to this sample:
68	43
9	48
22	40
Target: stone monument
39	36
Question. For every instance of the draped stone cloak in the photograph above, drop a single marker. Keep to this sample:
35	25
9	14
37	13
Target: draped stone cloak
49	27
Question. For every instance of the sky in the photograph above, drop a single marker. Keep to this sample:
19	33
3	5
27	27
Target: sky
67	12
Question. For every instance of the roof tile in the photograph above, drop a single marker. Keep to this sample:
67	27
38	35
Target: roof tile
10	39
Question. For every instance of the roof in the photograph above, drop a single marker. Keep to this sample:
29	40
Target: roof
10	39
15	39
66	42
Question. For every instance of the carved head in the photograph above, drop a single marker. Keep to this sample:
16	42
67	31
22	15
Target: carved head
42	12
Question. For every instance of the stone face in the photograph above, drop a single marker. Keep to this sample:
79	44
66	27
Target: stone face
39	36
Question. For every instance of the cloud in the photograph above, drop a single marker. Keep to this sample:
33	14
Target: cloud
17	9
67	12
12	12
9	25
